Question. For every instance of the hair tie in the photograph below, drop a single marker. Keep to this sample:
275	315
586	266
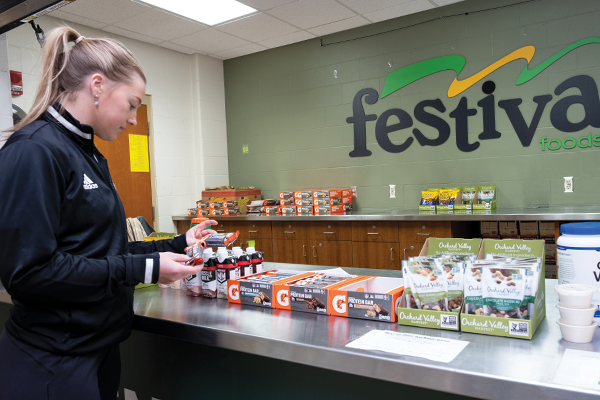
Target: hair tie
79	39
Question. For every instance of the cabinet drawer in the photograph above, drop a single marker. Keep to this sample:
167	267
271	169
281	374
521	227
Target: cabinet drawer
331	231
374	231
419	231
376	255
290	230
254	229
225	226
337	253
410	250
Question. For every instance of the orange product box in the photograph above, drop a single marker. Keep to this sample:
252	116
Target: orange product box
347	193
287	210
192	211
297	202
302	210
369	297
215	212
232	211
203	212
215	204
261	288
201	204
337	209
297	195
311	294
286	198
270	210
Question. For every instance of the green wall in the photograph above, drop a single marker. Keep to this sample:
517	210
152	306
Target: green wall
288	107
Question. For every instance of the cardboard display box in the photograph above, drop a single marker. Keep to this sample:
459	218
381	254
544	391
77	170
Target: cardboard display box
490	228
369	297
547	229
430	318
529	229
241	196
508	327
491	205
244	290
315	300
508	229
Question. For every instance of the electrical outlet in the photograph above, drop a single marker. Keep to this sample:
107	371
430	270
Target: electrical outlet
568	184
392	191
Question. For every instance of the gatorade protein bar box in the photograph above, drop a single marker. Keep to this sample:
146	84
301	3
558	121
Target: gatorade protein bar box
209	275
226	269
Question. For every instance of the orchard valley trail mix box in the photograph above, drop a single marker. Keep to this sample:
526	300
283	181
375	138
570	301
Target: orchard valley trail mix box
508	327
430	318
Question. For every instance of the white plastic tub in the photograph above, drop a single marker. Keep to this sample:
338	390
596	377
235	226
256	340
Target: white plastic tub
576	316
577	334
575	295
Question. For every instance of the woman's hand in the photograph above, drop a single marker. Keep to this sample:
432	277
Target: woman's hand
171	268
196	233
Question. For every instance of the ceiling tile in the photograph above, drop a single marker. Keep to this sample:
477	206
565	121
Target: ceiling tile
310	13
77	19
210	41
399	11
131	35
240	51
339	26
161	25
108	11
258	27
366	6
446	2
287	39
263	5
176	47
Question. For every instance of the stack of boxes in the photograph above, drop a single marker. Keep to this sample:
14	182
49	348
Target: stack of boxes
315	202
548	234
217	208
203	210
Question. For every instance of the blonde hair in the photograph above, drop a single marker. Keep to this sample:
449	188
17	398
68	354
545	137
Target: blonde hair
65	68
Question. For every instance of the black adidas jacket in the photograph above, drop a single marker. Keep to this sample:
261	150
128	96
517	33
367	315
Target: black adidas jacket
64	255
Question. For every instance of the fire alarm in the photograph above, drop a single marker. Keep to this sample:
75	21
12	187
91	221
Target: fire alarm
16	83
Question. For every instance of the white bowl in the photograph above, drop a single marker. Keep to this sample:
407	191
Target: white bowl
573	295
576	316
577	334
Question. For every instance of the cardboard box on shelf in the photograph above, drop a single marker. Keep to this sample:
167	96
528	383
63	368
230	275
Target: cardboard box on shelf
232	211
508	229
372	298
215	212
270	210
490	228
547	229
287	210
529	228
241	196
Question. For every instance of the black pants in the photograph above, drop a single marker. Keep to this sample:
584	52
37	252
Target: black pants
27	373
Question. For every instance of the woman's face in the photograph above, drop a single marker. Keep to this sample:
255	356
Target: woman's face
117	108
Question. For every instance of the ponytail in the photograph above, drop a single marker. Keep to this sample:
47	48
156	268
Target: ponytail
65	69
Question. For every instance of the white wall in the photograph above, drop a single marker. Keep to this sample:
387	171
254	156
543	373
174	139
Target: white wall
5	103
188	112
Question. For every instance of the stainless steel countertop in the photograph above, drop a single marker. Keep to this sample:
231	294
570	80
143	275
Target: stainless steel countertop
542	213
489	367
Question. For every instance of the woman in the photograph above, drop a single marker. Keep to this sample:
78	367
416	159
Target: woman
64	254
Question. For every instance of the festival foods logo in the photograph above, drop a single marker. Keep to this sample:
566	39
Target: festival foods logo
427	112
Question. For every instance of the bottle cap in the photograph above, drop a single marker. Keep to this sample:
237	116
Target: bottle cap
250	250
237	251
207	254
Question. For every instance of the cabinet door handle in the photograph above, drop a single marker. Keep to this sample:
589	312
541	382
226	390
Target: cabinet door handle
424	234
304	250
314	252
372	233
328	233
223	230
252	231
404	254
392	254
289	232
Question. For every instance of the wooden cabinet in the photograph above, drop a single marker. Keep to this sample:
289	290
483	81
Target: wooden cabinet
419	231
374	231
264	245
336	253
331	231
254	229
410	250
376	255
291	251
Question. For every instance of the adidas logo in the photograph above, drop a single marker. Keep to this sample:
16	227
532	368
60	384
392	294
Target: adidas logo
88	184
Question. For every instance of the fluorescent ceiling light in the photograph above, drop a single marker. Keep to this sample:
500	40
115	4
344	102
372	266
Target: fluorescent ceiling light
209	12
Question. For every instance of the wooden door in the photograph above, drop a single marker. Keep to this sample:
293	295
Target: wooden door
335	253
291	251
376	255
134	188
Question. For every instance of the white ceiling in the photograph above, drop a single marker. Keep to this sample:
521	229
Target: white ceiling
276	23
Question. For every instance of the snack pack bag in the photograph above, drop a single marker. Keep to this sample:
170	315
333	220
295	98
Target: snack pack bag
429	198
503	290
447	197
472	289
454	273
429	285
486	196
411	302
468	195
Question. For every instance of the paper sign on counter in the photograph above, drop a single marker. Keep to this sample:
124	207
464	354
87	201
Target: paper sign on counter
579	368
407	344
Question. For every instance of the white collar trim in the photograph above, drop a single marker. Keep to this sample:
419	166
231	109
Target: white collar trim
67	124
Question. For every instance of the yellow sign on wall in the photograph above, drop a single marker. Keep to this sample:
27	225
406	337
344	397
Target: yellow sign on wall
138	153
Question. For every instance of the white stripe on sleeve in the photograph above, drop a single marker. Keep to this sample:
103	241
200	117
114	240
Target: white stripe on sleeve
149	269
